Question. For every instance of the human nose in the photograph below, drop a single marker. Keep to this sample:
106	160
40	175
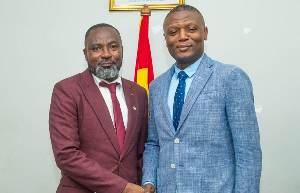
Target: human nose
106	53
182	35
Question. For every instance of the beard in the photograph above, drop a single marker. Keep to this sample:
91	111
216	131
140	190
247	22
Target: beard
105	73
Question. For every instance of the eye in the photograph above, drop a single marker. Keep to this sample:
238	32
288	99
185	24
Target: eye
96	48
192	29
114	46
172	32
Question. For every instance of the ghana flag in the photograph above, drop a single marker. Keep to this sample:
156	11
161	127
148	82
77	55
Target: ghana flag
143	66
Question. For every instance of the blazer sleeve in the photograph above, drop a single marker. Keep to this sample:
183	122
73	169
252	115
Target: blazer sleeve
245	132
63	126
151	147
142	138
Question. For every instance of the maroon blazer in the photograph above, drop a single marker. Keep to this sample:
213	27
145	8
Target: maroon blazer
84	140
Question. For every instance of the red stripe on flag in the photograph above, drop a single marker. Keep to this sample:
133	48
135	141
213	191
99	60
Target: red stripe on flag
143	58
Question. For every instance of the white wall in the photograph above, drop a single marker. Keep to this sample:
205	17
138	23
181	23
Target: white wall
41	43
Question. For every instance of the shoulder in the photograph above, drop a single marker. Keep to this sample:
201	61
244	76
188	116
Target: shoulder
162	79
73	81
226	75
219	67
83	76
223	69
70	80
231	76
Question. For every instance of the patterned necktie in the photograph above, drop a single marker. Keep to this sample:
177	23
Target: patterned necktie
120	128
179	98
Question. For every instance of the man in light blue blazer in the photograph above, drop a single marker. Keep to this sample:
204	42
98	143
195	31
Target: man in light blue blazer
210	143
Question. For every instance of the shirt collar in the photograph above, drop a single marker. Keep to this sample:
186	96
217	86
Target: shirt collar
191	69
98	80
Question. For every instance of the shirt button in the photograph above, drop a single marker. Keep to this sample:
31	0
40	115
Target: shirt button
176	140
173	166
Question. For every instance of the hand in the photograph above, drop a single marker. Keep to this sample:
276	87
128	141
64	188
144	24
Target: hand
149	188
132	188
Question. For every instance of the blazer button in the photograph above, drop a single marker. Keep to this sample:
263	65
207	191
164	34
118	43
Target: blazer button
173	166
176	140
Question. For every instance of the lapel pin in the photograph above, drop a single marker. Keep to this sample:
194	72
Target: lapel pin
134	108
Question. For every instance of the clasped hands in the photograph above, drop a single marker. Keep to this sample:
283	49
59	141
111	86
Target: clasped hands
133	188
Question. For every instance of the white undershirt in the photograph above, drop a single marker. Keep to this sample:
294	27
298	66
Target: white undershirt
107	98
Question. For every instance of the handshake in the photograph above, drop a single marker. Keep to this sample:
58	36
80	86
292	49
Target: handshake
133	188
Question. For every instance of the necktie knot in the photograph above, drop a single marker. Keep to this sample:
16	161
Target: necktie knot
182	75
111	87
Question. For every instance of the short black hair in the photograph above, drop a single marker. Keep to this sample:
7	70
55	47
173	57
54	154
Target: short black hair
99	26
183	7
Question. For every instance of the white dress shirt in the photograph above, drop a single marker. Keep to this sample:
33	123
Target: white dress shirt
107	98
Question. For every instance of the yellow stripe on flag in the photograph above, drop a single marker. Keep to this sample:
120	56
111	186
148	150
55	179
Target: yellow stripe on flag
142	78
143	67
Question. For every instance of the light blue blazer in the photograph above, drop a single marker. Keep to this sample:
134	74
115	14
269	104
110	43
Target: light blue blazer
216	148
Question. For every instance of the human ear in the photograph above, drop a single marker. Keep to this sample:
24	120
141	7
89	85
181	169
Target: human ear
205	33
85	54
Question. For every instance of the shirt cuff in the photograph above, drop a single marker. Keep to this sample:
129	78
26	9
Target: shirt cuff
148	183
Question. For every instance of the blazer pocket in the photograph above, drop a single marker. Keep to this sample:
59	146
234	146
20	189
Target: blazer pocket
211	101
218	177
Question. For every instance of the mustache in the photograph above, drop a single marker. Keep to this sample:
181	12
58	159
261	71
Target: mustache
106	61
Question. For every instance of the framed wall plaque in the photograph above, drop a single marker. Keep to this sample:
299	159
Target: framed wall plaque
127	5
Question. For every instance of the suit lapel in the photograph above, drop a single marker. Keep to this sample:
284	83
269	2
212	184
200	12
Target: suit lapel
165	91
131	100
201	77
96	100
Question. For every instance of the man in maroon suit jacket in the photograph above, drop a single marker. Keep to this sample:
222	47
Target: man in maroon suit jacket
83	136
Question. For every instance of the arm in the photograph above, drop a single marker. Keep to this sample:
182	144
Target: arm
151	149
64	133
142	138
245	133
